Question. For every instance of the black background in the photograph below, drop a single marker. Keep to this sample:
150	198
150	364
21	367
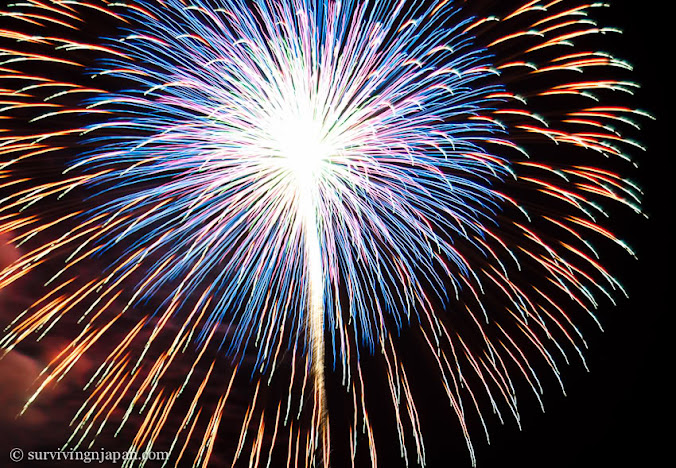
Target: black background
618	414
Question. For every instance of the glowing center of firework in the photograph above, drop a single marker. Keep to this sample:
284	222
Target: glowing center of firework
300	142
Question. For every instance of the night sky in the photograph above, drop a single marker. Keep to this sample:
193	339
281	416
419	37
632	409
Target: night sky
616	415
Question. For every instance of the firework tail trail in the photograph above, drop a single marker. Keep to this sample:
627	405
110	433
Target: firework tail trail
315	320
418	165
307	212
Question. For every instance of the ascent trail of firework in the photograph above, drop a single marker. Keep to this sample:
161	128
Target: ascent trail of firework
273	181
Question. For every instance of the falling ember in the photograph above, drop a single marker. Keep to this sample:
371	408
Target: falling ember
234	192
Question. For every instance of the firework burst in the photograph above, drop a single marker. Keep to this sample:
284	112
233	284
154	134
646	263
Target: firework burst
260	185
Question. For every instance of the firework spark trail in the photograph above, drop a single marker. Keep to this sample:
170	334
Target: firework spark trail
311	176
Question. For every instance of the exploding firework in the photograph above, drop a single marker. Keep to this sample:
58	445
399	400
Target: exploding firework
275	192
